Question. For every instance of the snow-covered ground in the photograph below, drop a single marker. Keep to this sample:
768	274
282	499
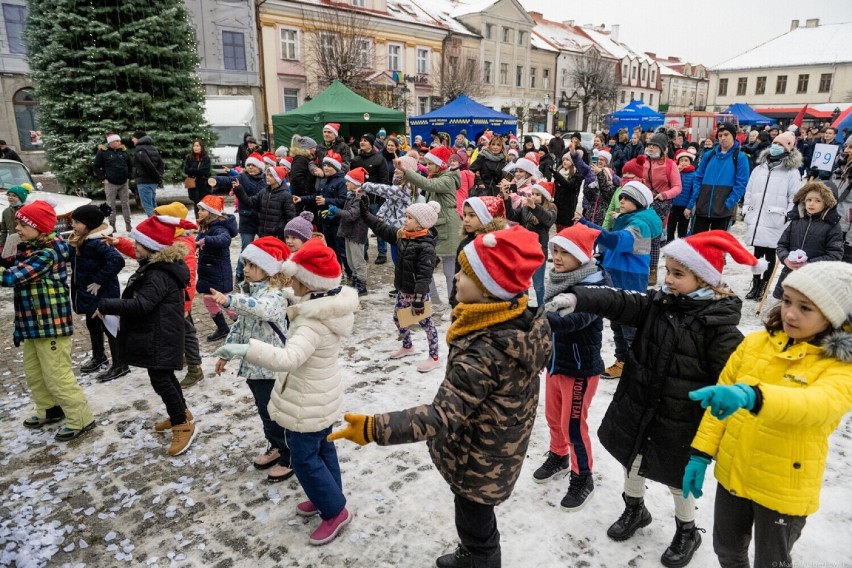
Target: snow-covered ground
115	498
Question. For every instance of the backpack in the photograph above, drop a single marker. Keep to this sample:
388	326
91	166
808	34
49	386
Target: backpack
467	181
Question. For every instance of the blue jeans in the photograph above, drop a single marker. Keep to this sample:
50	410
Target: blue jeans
538	283
275	434
624	335
245	240
148	197
381	244
314	459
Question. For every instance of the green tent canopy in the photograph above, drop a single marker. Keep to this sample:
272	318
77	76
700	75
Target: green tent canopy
337	103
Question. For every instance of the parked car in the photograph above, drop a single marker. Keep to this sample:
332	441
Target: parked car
587	139
538	138
16	173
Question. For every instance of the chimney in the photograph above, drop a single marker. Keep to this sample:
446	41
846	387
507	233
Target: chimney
651	54
674	59
794	24
569	23
812	23
615	29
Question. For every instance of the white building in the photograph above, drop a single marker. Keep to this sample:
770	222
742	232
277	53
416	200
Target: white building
684	85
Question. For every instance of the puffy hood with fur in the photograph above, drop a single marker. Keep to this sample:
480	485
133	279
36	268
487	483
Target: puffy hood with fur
793	160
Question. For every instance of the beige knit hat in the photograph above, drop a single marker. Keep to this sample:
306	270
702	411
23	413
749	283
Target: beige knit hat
828	285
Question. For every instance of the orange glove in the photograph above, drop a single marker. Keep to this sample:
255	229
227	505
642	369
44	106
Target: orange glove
359	429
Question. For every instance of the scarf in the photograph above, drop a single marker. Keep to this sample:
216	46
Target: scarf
489	155
403	234
558	282
705	293
473	317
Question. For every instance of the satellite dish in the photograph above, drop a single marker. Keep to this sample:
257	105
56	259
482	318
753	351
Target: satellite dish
366	116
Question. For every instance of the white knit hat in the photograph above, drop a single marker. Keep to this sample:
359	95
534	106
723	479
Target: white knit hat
638	192
426	214
828	285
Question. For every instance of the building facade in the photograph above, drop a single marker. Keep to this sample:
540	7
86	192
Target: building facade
684	86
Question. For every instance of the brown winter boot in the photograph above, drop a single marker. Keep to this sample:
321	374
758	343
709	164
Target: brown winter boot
166	424
613	371
182	437
193	375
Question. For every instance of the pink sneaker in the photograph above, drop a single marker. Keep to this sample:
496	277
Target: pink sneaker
328	530
428	365
404	352
306	509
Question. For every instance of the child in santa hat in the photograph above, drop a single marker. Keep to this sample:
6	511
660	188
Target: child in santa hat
478	426
308	392
38	274
686	332
151	309
526	174
216	229
481	215
576	365
273	205
413	272
262	309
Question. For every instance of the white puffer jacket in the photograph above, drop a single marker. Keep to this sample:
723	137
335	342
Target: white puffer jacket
768	198
308	394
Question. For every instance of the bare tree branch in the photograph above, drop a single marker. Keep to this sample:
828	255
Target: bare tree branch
461	78
594	81
337	47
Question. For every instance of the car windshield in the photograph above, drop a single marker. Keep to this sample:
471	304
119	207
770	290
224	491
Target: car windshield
229	135
13	174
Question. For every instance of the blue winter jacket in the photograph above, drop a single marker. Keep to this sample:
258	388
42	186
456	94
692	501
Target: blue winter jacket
687	178
333	189
717	188
627	248
252	186
214	258
94	262
577	337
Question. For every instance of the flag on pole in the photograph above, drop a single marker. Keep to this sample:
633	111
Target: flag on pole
800	117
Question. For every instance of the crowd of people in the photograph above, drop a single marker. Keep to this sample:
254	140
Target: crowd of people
692	388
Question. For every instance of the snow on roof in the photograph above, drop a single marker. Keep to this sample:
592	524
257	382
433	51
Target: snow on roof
467	7
617	49
440	10
664	70
559	35
823	44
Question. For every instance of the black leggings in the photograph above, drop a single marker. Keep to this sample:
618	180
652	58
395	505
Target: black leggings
678	223
167	386
771	258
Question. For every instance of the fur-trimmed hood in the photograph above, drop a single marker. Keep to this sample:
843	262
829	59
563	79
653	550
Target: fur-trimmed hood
792	161
104	230
176	252
825	194
104	148
335	312
300	152
495	224
839	345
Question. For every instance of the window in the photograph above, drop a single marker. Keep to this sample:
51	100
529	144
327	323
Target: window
545	79
651	99
471	68
454	61
486	72
291	99
16	19
623	95
624	71
423	105
723	87
504	73
364	51
326	47
234	51
654	76
781	85
632	95
519	76
394	57
26	119
760	88
522	36
423	61
742	84
564	77
489	31
643	74
802	85
825	82
289	44
507	35
532	77
359	3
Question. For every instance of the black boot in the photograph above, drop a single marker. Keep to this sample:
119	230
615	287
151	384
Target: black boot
360	285
94	363
115	371
634	517
458	559
221	328
579	492
686	541
754	292
551	466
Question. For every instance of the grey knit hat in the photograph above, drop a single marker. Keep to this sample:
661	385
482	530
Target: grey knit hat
661	141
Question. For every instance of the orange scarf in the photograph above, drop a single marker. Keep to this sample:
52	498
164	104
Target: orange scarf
403	234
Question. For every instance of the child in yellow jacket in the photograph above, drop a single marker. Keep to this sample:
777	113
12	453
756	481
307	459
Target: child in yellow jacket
781	395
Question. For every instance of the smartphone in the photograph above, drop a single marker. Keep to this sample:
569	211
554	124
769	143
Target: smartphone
513	187
594	160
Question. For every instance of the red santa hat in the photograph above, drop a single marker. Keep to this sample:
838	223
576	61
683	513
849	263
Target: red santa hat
158	232
636	167
357	176
214	204
545	188
439	156
113	138
486	207
533	157
286	163
502	262
605	154
40	215
314	265
334	160
486	137
270	159
255	159
704	255
578	240
278	173
332	127
527	165
269	253
513	152
684	154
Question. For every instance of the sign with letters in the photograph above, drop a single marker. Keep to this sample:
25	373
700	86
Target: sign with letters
824	155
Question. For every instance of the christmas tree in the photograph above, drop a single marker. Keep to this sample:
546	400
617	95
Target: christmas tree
102	66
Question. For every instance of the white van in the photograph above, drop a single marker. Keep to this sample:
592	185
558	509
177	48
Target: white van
231	118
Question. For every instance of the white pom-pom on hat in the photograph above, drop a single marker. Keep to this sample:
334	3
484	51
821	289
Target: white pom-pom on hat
489	240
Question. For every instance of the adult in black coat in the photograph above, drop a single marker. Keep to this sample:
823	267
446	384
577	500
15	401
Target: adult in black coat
620	151
681	344
196	166
568	181
148	168
7	153
371	160
556	145
488	168
334	143
245	149
546	162
302	179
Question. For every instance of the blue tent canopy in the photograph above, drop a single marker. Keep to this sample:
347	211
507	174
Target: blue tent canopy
636	113
460	114
747	116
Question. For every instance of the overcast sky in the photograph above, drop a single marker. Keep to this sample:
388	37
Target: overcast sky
708	31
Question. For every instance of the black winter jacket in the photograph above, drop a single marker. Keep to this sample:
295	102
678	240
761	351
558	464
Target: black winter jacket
94	262
151	310
489	171
147	164
620	155
526	218
115	166
567	193
302	181
252	186
274	209
198	169
339	146
214	258
681	345
577	338
375	164
416	258
352	226
545	166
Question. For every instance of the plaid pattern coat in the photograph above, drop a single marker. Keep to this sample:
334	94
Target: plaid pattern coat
39	275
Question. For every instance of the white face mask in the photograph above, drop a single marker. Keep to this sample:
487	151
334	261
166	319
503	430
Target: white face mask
653	155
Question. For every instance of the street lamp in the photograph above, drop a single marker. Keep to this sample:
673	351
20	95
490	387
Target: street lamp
548	121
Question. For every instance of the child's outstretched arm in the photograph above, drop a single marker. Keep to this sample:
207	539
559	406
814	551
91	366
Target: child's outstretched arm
623	306
268	307
300	346
143	302
30	269
382	229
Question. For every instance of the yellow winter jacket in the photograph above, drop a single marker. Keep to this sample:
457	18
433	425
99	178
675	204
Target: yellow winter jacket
776	457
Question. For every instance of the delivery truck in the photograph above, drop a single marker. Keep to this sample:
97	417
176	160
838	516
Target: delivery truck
231	117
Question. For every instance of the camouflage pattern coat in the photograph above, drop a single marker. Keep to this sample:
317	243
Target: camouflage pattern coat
478	426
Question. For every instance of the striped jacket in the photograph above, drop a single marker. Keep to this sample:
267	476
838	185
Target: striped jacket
39	275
